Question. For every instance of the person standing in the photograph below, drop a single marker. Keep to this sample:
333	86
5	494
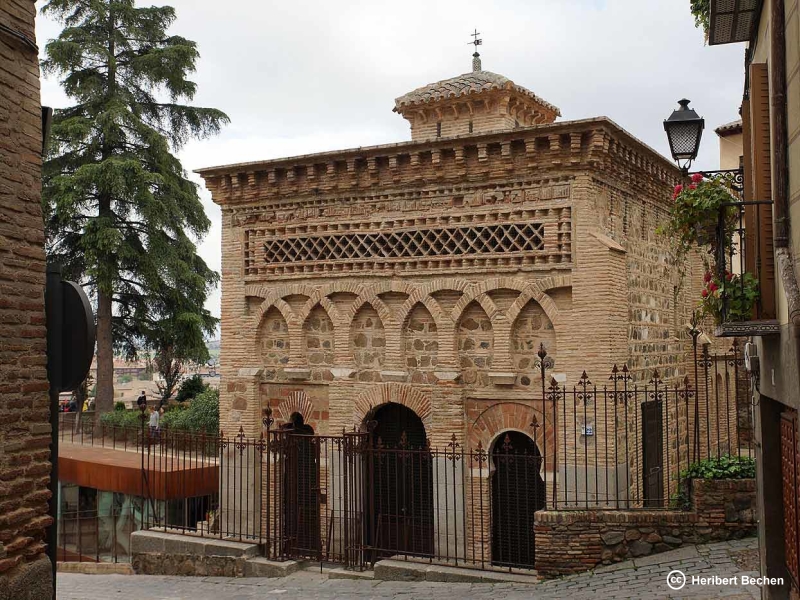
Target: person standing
154	419
141	401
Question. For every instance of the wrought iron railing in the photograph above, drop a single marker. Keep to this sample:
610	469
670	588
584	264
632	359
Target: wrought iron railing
356	497
745	262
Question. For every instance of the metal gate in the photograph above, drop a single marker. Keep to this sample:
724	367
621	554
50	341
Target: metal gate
303	500
399	486
518	491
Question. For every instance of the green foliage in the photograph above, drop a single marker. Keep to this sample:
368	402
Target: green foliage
701	9
679	500
740	291
121	215
724	467
201	416
190	388
119	406
694	216
122	418
126	379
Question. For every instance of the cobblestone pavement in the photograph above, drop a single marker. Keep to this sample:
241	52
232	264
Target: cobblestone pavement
640	578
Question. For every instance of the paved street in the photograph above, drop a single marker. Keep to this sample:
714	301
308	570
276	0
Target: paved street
642	578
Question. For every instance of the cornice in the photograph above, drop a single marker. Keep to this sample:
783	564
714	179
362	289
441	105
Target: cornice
573	145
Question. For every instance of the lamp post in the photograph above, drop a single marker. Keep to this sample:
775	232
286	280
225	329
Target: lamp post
684	131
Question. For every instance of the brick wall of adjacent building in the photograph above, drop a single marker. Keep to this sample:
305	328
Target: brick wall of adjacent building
24	426
574	541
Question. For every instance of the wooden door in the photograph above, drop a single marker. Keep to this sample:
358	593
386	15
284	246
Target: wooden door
652	454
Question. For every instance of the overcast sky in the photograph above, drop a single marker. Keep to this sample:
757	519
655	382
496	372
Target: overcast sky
306	76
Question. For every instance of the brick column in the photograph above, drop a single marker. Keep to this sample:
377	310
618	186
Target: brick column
25	571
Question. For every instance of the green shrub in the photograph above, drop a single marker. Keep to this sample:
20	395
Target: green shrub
121	417
120	406
724	467
201	416
190	388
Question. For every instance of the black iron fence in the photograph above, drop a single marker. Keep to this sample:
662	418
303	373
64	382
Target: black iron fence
357	497
97	536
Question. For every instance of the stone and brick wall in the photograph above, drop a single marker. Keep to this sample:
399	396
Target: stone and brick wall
419	307
435	268
574	541
24	427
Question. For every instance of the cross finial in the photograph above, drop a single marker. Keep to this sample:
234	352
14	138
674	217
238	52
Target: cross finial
476	41
476	58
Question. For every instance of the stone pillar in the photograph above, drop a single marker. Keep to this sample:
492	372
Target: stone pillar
244	396
449	524
241	460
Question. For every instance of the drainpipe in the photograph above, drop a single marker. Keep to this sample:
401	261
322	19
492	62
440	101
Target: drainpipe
780	174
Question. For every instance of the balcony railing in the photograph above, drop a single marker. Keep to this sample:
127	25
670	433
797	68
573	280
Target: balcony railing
745	262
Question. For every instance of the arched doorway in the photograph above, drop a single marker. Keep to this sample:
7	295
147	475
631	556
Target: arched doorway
301	488
517	492
400	518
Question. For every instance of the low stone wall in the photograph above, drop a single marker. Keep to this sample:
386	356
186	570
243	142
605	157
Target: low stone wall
574	541
160	553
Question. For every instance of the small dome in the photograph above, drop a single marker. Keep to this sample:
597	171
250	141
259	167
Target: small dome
468	83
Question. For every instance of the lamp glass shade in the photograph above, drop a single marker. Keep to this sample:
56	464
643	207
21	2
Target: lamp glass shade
684	131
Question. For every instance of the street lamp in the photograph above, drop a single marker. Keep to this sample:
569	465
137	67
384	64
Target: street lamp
684	130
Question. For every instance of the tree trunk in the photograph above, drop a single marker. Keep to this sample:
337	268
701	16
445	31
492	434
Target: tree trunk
104	396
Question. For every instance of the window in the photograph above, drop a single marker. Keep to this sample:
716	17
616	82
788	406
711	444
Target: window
470	126
439	129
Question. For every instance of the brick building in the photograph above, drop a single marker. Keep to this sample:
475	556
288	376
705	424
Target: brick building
428	273
25	572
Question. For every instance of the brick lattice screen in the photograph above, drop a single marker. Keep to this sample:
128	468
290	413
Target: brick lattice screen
412	243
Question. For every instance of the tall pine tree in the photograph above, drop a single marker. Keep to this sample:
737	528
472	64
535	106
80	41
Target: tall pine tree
120	214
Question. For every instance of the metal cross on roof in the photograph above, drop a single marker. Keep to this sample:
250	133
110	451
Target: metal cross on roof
476	58
477	41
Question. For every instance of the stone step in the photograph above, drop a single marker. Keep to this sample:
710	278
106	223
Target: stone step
261	567
156	541
96	568
337	572
402	570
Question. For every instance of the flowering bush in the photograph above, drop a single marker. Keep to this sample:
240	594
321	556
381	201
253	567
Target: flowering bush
740	292
694	216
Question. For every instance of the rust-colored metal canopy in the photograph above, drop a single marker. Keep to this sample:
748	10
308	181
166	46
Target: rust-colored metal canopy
732	21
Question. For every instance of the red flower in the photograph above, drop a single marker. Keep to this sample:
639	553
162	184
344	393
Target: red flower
704	293
713	286
678	189
707	277
697	178
729	276
692	187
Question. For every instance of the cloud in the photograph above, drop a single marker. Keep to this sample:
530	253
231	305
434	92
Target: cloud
308	76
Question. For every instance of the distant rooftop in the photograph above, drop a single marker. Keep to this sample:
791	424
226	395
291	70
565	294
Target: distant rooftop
731	128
